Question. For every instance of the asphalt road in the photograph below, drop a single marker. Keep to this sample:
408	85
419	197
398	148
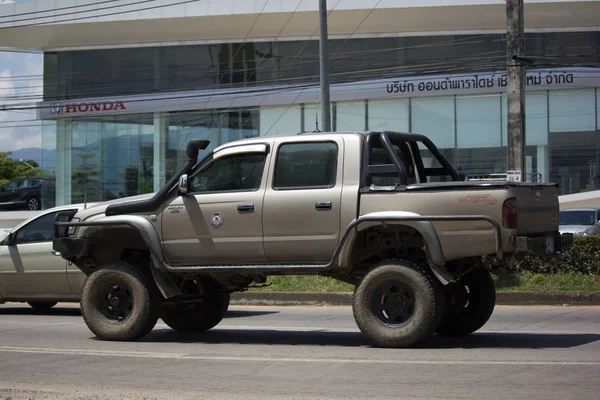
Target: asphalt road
268	353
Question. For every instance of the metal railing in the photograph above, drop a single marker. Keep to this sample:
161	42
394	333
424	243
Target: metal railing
531	177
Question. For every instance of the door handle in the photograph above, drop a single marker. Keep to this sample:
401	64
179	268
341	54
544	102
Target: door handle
245	207
323	205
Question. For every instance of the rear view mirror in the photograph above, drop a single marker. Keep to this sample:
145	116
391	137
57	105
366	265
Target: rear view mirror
183	185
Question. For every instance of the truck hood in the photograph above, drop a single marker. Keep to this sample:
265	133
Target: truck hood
575	229
100	208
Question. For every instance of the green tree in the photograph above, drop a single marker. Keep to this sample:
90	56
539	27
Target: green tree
11	169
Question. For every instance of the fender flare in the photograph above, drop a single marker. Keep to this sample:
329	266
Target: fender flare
150	237
433	247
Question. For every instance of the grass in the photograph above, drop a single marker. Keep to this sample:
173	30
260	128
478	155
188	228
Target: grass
305	283
522	281
530	281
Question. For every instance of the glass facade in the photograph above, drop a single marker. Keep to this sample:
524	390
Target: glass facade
96	158
117	72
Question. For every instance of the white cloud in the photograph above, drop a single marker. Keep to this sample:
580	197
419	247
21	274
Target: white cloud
7	85
19	129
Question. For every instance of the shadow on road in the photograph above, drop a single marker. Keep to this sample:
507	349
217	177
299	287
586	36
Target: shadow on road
75	311
248	313
61	311
514	340
253	336
356	339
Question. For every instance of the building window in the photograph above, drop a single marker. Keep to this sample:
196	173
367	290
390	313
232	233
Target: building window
572	110
280	120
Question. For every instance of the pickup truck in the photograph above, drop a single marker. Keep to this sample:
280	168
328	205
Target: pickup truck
384	211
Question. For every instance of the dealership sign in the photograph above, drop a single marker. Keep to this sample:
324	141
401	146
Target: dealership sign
72	109
265	95
483	81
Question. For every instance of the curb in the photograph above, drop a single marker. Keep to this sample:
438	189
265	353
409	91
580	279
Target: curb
550	298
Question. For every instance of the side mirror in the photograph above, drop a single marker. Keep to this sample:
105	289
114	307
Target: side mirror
183	185
10	239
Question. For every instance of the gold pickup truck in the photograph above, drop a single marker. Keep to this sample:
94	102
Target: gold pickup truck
384	211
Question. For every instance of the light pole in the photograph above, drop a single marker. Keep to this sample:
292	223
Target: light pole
324	68
26	163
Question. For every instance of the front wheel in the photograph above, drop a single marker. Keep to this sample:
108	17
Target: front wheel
118	303
196	317
470	303
397	304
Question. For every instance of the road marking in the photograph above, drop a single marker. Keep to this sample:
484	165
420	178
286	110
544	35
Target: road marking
188	356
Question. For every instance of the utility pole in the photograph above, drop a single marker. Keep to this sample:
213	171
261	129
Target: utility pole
515	90
324	68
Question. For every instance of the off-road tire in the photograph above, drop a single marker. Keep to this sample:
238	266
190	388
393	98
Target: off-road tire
143	302
42	305
413	281
463	318
196	317
33	203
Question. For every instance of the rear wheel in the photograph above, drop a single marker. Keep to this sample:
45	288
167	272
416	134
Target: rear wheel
470	303
119	303
42	305
196	317
397	304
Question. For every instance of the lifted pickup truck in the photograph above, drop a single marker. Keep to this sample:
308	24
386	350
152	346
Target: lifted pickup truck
384	211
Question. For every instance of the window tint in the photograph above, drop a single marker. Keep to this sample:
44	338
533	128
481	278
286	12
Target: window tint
12	185
237	172
39	230
301	165
31	182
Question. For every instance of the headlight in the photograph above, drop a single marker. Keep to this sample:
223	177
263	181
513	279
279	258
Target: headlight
71	230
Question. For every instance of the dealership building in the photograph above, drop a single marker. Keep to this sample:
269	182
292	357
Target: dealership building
127	86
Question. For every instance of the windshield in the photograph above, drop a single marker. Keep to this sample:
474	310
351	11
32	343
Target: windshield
577	217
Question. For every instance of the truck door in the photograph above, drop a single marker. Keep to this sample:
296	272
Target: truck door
302	208
220	219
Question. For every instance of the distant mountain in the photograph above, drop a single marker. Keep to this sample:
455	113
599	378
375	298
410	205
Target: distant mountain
29	153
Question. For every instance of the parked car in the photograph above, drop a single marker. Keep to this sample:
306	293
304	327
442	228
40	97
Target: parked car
580	221
30	271
25	193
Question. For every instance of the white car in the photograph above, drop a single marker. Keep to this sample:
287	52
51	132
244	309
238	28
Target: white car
30	271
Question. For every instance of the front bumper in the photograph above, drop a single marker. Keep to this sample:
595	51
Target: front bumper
549	245
69	247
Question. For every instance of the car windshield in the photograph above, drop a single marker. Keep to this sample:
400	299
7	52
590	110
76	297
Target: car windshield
581	217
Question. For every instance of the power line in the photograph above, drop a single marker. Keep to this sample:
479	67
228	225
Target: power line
59	8
462	41
74	12
389	72
392	66
281	69
102	15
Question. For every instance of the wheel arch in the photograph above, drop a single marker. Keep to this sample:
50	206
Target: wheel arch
134	234
393	220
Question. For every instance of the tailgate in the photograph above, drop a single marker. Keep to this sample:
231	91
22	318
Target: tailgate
537	208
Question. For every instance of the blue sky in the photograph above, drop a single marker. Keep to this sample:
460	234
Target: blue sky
13	66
